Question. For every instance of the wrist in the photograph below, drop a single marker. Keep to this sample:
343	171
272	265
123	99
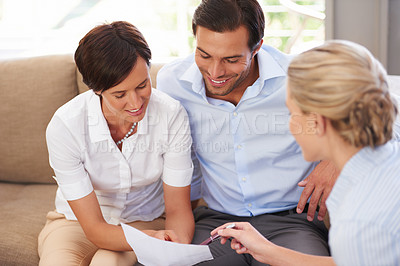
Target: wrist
149	232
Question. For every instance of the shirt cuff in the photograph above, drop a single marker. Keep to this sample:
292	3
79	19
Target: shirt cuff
75	190
177	178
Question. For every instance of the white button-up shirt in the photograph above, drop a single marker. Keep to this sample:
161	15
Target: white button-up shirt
128	183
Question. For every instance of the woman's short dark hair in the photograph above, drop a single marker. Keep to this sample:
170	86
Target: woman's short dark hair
107	54
228	15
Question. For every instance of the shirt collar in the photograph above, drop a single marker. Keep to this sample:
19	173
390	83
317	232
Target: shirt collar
194	76
364	161
269	66
271	63
97	124
142	126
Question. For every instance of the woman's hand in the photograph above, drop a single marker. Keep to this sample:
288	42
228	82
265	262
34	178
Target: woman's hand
167	235
246	239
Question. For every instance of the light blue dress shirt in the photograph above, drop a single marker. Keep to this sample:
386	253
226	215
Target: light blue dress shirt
249	162
364	209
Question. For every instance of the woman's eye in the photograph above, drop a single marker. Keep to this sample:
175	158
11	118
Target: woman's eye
120	96
142	86
204	56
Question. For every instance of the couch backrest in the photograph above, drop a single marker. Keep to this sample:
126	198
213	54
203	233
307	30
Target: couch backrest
30	92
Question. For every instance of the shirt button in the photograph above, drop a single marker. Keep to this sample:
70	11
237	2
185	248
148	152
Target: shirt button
244	179
239	146
249	205
235	114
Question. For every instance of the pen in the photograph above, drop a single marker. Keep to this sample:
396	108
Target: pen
215	236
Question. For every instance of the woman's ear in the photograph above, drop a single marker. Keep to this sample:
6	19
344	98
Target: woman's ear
321	122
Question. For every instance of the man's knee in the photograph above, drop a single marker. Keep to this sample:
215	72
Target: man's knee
296	233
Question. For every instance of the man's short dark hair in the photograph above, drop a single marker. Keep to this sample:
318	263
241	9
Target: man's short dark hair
108	53
229	15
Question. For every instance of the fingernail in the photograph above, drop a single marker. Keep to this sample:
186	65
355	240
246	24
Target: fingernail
320	218
299	210
309	218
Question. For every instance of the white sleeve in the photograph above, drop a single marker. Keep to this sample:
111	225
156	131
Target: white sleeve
65	159
178	166
167	82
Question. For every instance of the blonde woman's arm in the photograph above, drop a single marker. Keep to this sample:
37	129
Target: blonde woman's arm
246	239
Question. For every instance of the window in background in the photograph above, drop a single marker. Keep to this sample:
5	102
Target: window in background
294	26
40	27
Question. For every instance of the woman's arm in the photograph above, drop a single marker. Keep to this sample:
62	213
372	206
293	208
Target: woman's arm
246	239
178	210
97	230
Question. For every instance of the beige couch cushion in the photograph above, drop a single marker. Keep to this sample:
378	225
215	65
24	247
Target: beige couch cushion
31	91
23	215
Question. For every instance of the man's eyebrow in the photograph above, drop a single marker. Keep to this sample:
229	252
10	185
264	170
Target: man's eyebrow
233	56
227	57
201	50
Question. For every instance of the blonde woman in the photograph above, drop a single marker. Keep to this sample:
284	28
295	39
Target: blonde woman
341	110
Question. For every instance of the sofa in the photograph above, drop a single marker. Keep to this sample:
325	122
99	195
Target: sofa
31	90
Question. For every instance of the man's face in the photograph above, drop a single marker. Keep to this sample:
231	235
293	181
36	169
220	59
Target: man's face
225	61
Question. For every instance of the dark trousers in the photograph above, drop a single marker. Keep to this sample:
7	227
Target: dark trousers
287	229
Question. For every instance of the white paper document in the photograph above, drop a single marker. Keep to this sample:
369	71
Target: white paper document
151	251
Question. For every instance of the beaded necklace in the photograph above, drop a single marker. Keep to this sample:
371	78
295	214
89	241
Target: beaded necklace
127	134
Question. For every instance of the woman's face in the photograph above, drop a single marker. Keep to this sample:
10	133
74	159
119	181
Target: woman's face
127	101
303	128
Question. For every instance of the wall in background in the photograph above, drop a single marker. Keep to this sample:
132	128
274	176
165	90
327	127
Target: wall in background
393	63
372	23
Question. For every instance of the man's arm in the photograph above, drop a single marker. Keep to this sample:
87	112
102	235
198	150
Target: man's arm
317	187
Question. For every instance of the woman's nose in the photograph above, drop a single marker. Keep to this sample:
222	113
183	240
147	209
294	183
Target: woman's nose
134	101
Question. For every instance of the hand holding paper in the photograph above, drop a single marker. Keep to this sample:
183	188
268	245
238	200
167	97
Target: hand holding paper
152	252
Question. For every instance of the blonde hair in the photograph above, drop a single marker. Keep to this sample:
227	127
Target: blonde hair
343	82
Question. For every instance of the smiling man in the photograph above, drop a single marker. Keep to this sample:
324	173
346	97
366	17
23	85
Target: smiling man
248	166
